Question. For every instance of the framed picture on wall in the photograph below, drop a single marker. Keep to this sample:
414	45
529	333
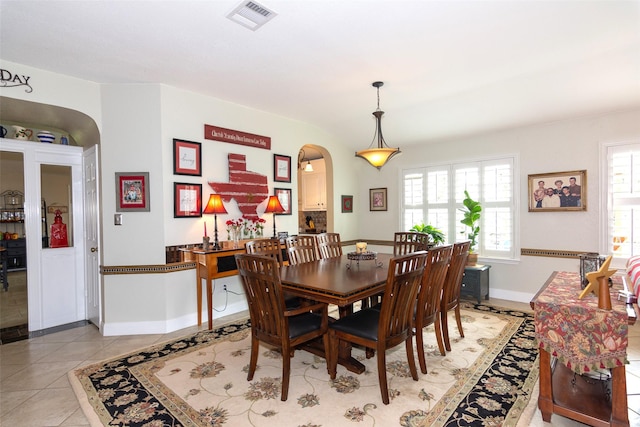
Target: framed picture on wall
284	195
347	204
132	192
281	168
187	200
558	191
187	159
378	199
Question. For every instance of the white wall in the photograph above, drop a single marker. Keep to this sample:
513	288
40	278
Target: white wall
139	125
184	115
552	147
55	89
131	141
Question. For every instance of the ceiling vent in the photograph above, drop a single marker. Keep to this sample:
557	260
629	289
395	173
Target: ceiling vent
251	15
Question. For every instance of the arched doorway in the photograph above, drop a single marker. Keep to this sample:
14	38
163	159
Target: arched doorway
315	188
52	173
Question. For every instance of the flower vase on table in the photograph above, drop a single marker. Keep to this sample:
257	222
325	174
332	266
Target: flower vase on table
236	238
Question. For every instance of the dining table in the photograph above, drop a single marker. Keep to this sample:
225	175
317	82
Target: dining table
340	281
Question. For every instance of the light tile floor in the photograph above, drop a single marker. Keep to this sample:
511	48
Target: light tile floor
35	390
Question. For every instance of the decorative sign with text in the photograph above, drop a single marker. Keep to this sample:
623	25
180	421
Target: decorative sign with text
9	79
236	137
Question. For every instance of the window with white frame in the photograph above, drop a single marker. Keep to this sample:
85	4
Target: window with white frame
433	195
622	182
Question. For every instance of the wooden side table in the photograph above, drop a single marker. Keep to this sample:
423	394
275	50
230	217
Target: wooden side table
475	282
211	265
563	391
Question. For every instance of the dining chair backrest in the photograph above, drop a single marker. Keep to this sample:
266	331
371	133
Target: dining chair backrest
329	245
453	282
430	294
260	278
301	249
451	289
401	291
429	297
269	247
406	242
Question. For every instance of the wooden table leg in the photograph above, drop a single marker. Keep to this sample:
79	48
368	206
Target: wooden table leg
209	303
545	399
344	348
203	273
199	296
619	407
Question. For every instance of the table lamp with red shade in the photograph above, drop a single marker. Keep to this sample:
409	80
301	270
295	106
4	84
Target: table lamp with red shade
214	206
274	207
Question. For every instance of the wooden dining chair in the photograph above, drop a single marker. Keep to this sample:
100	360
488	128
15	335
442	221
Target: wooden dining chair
301	249
451	290
387	327
329	245
271	321
271	248
405	242
429	297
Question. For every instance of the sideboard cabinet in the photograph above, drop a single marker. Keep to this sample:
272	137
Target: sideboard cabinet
475	282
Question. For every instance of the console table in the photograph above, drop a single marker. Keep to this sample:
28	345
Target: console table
582	340
211	265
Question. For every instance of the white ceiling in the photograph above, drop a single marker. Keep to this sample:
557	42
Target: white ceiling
450	68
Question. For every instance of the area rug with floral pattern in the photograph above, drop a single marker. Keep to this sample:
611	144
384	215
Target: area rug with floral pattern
487	379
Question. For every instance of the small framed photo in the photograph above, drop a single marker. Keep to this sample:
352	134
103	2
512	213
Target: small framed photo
558	191
187	200
377	199
284	195
282	236
281	168
187	159
132	192
347	204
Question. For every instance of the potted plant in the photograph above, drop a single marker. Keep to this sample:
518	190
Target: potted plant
436	236
471	219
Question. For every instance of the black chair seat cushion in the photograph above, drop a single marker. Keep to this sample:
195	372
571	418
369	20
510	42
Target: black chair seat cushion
303	324
363	323
377	307
291	301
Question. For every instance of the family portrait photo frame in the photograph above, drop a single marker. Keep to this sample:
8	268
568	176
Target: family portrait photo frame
558	191
132	192
377	199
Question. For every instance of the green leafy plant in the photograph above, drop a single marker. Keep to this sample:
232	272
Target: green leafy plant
471	219
436	236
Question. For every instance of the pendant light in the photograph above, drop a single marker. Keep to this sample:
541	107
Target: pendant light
380	155
301	158
308	167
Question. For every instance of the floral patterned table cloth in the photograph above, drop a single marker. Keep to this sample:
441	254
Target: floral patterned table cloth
578	333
